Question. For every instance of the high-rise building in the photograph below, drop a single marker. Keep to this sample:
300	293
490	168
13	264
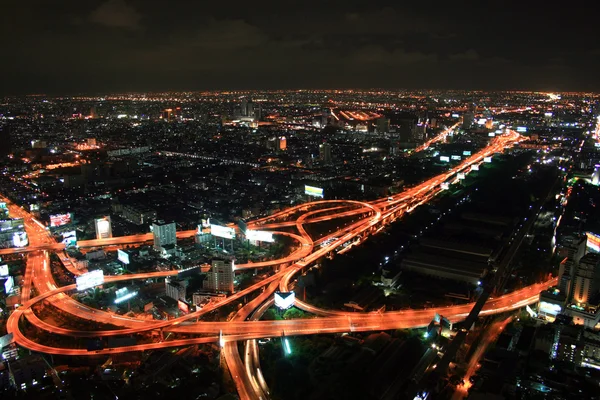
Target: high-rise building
383	125
220	277
282	145
407	129
587	278
164	233
176	288
468	119
103	227
575	250
325	153
596	175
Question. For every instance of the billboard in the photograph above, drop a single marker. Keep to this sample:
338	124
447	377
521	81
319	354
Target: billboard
549	308
313	191
593	242
123	256
183	306
475	167
9	284
34	207
284	300
456	158
124	294
3	205
20	239
444	159
60	219
261	236
89	279
460	175
3	270
487	159
521	129
103	228
445	186
69	239
222	231
491	134
466	152
205	223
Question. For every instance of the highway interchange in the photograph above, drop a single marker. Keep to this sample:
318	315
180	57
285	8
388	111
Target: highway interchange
368	218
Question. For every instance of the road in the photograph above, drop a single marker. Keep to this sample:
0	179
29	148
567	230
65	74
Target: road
368	218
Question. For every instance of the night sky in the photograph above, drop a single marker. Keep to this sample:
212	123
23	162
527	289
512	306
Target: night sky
67	46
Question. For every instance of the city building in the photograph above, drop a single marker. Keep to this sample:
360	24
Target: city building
282	143
325	153
220	277
138	216
103	227
6	140
164	234
468	119
587	278
176	288
573	249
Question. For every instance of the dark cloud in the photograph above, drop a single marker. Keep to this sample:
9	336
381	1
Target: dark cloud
117	45
116	13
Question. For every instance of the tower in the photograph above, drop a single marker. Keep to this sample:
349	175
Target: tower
220	277
587	278
164	233
325	153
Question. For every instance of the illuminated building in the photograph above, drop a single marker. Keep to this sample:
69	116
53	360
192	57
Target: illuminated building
220	277
164	234
282	143
103	228
586	282
596	176
575	249
176	289
325	153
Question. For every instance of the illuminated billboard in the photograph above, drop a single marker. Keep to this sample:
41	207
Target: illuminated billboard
9	284
3	205
313	191
444	159
222	231
124	294
491	134
284	300
521	129
3	270
60	219
460	175
487	159
467	153
69	239
205	223
103	228
593	242
261	236
475	167
445	186
455	115
481	121
20	239
34	207
456	158
123	256
183	306
549	308
89	279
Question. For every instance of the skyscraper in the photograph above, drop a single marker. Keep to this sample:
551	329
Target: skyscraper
164	233
325	153
575	250
220	277
587	278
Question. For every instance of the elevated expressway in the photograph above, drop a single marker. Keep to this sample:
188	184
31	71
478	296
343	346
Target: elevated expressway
369	217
